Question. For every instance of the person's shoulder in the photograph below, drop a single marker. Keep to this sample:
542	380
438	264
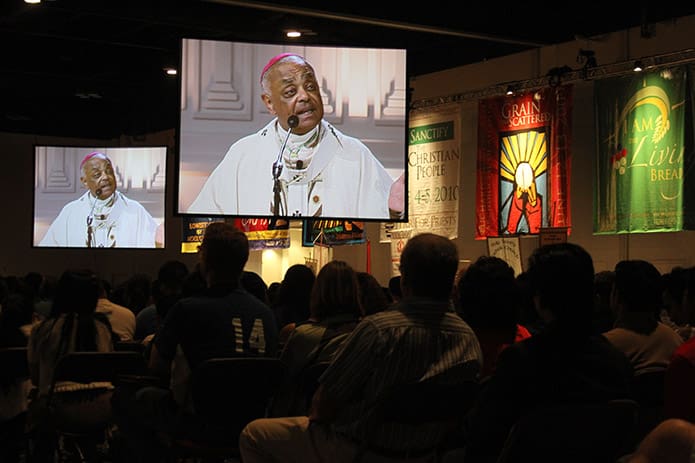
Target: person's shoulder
82	199
252	139
130	202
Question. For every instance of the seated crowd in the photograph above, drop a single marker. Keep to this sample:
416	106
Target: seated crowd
559	333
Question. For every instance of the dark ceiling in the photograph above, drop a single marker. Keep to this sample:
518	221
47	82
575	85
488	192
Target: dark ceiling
94	68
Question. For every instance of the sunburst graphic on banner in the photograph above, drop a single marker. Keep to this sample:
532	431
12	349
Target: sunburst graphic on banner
523	161
523	157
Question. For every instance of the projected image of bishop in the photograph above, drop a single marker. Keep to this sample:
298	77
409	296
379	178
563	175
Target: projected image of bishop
523	165
102	217
298	165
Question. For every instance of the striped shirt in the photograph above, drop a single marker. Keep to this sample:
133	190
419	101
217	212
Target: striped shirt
416	339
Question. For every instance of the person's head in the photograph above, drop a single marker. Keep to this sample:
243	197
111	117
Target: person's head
687	307
273	290
488	296
294	293
561	276
223	253
395	288
637	287
97	175
428	266
254	284
290	88
169	285
335	291
673	285
77	291
372	296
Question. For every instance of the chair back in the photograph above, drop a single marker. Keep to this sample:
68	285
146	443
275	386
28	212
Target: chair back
648	389
599	432
441	401
232	392
134	346
87	367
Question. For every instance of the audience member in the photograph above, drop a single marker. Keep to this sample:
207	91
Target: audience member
372	296
194	284
273	289
254	284
335	310
679	383
167	288
395	288
488	302
638	332
196	329
672	313
16	318
529	317
562	362
122	319
292	304
134	293
72	325
416	339
604	318
672	441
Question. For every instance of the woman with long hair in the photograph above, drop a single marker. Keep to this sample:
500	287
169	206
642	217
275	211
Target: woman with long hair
335	309
72	326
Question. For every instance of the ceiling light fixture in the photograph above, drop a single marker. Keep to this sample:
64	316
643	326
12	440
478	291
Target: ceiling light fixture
293	34
170	71
510	90
32	2
638	66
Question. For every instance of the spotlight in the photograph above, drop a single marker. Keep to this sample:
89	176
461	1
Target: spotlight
510	90
170	71
293	34
638	66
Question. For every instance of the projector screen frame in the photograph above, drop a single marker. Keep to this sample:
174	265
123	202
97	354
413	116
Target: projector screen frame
220	103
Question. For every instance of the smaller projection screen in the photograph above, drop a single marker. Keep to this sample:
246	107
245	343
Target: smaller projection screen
99	197
327	140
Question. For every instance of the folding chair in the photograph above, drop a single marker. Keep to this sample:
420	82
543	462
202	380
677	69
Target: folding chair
597	432
439	402
227	394
79	435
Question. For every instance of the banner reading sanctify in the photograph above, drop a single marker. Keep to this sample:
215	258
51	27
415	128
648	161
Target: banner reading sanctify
641	176
434	155
523	167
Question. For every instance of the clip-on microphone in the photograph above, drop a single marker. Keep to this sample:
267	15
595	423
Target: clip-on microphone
292	122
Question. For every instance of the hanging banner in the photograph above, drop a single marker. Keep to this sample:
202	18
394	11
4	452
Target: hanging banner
523	169
193	231
641	182
333	232
265	233
434	155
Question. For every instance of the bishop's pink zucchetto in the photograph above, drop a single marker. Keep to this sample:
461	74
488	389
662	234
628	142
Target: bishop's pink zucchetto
274	60
93	155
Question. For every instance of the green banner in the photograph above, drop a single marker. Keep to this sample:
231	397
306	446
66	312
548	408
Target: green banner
640	160
431	133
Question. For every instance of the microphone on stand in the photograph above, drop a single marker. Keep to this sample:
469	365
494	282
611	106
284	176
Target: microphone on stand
292	122
90	218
